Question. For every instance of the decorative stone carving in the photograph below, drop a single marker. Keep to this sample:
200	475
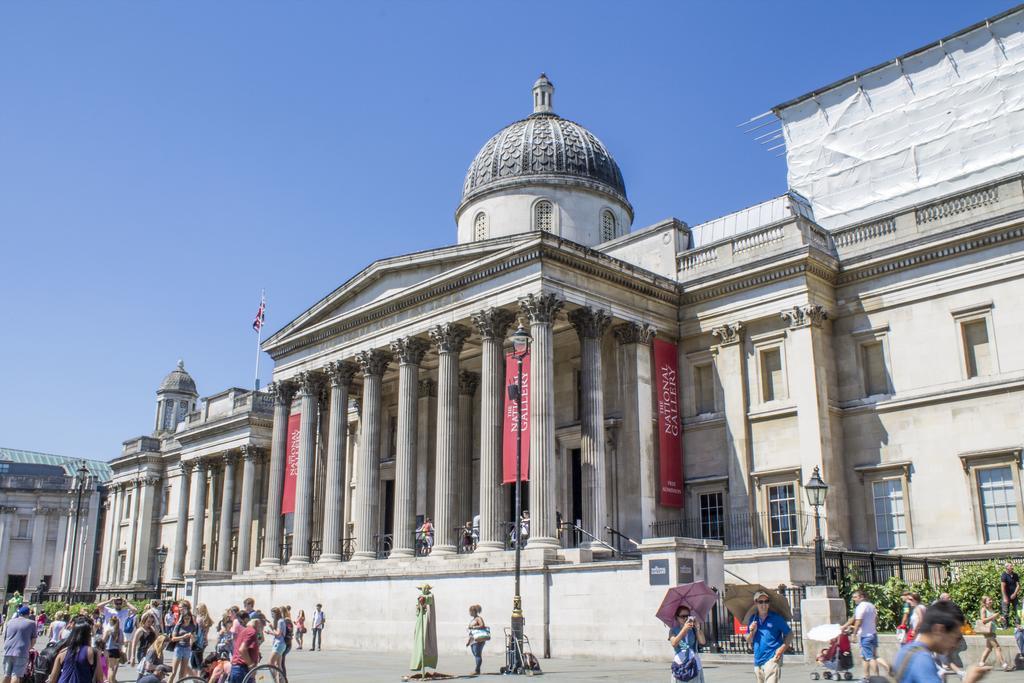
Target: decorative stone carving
589	322
7	509
541	308
250	452
428	388
373	362
410	350
202	466
634	333
282	391
493	323
729	333
468	382
449	337
310	383
802	316
341	372
186	467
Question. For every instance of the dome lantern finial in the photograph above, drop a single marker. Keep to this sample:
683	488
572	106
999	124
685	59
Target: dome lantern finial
543	90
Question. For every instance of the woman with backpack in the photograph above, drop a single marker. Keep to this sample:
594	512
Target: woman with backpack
77	662
684	638
289	633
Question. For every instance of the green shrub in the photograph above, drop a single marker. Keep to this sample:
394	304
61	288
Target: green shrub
969	583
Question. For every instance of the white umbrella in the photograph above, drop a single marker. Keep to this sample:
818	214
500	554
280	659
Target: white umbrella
824	632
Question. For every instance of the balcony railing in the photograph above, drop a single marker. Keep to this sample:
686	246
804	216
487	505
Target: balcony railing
742	530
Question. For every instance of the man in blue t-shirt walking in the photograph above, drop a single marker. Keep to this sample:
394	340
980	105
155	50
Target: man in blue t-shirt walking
770	635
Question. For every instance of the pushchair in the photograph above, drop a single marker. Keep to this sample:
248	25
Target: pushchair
836	660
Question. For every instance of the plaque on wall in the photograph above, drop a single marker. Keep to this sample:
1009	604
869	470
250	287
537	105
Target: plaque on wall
658	573
685	568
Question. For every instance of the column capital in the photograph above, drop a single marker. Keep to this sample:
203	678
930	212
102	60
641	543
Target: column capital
493	323
251	452
46	510
590	323
729	333
282	391
541	308
427	388
373	362
449	337
310	382
810	315
186	467
228	458
202	466
468	382
7	509
410	350
635	333
341	372
150	480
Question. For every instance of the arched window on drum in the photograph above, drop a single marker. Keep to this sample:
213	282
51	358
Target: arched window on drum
608	231
480	227
544	216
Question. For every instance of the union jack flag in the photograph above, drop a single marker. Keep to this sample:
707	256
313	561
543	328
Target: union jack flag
257	324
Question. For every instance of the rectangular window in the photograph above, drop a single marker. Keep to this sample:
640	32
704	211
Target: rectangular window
977	350
782	521
393	436
167	501
22	528
876	380
122	567
712	516
127	512
890	514
998	504
704	388
772	386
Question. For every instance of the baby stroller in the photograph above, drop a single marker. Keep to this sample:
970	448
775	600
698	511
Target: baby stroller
836	659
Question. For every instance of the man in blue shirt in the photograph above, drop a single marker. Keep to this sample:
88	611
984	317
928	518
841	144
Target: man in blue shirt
770	635
938	633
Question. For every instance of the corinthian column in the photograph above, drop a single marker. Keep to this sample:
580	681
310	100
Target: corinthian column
250	455
198	517
637	455
409	351
449	339
468	382
282	392
181	528
227	507
373	364
341	374
492	324
541	310
590	326
309	396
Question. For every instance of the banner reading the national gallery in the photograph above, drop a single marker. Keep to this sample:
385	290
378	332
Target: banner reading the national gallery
513	422
670	434
291	464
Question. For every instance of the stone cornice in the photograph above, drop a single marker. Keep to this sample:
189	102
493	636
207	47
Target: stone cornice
800	262
230	422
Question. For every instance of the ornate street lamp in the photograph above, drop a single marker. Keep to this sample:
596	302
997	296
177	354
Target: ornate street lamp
816	490
161	559
81	482
520	348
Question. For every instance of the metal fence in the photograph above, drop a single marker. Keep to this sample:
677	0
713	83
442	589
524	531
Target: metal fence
742	530
98	596
844	567
728	634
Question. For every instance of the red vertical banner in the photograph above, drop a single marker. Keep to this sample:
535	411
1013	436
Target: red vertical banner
515	423
291	465
670	427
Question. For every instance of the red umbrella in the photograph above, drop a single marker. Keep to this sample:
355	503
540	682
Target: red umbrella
698	596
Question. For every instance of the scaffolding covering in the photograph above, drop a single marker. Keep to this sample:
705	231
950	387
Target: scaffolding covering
931	123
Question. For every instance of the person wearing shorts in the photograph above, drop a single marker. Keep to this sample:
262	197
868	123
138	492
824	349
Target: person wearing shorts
864	621
21	634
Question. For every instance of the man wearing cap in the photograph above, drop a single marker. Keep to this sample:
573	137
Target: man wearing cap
158	675
246	648
21	635
770	635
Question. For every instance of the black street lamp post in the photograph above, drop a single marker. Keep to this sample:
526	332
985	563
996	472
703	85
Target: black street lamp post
161	559
816	490
520	348
81	482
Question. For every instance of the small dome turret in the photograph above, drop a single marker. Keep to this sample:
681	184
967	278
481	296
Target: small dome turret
175	398
178	380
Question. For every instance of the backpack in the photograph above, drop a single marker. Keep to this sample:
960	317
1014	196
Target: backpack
129	624
46	657
685	669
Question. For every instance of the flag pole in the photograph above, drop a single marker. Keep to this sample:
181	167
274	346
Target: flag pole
259	337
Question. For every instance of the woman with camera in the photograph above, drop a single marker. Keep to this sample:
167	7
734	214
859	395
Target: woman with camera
684	638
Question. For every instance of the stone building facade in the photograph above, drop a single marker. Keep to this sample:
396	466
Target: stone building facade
41	521
884	351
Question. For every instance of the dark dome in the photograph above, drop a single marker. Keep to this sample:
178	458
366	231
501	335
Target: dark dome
178	381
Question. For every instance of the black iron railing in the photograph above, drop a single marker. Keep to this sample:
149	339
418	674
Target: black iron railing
727	633
465	539
844	568
742	530
382	544
98	595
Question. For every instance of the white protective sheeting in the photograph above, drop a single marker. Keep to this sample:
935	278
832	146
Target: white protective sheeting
932	123
751	218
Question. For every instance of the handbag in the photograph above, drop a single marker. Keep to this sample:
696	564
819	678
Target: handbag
480	635
983	628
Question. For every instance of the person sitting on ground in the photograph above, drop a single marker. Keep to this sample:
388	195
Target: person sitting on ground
216	669
937	633
157	676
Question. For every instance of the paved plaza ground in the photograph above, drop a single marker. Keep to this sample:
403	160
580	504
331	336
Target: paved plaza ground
371	667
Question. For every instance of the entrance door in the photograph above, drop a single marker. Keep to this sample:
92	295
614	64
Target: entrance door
389	506
507	524
16	582
576	465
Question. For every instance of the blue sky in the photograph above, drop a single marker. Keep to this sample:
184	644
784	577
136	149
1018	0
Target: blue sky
161	162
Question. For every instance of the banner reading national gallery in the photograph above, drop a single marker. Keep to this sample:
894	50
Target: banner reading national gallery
291	465
513	423
670	434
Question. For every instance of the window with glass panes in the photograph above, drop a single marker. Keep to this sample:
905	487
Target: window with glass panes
890	514
712	516
998	504
782	522
704	389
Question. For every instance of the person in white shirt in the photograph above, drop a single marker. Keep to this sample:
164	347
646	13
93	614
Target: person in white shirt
864	622
318	626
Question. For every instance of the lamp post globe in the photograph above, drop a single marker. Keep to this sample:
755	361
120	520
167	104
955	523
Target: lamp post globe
161	559
817	489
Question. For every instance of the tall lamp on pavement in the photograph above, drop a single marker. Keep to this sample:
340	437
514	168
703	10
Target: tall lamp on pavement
81	482
520	349
816	490
161	558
